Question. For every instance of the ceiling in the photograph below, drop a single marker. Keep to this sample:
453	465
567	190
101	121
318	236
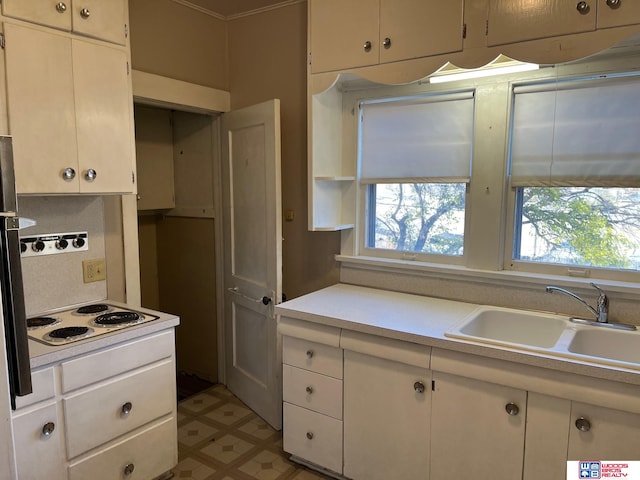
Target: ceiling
228	8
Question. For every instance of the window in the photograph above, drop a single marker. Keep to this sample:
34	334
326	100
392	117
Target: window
575	168
415	165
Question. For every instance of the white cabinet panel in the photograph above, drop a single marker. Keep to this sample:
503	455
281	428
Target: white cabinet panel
312	356
99	414
316	392
313	437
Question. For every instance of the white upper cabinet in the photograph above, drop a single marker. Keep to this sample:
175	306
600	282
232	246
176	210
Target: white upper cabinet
617	13
70	113
104	20
360	33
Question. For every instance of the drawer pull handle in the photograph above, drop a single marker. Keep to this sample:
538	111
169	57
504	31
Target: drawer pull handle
90	175
128	469
512	409
583	8
418	387
583	424
367	46
61	7
85	13
48	429
309	390
68	174
310	435
126	408
309	354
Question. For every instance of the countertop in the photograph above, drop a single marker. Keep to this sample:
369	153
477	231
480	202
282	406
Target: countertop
41	354
424	320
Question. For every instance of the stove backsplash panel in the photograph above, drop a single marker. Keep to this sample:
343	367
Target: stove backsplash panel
55	281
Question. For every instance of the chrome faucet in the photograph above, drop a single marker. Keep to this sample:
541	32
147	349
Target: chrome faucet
601	311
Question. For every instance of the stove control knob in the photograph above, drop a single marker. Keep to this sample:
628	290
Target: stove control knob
78	242
37	246
23	247
48	429
62	244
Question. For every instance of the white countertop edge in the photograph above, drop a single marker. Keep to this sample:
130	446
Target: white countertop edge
306	308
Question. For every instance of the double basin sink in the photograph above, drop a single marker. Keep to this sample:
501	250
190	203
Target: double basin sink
552	335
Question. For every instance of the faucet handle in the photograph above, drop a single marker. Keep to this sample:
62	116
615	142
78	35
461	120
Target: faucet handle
602	296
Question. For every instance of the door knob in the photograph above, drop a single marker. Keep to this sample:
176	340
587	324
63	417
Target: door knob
266	300
418	387
512	409
583	8
48	429
583	424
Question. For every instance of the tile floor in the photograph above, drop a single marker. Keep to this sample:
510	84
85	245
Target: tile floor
219	438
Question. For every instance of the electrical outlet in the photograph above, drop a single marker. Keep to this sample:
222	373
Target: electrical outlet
94	270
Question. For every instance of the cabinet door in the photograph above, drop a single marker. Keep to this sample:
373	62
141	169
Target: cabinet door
41	114
419	28
52	13
606	434
472	434
104	108
100	19
339	31
612	13
38	444
512	21
154	158
386	419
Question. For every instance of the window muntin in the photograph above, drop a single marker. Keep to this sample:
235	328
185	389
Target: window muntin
415	166
575	173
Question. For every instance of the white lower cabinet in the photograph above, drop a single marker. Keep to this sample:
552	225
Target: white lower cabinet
39	440
387	409
478	429
108	414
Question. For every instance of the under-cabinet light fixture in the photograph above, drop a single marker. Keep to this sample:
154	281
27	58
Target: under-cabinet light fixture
443	75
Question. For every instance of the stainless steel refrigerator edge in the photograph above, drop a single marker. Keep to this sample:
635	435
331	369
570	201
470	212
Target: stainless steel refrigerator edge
13	307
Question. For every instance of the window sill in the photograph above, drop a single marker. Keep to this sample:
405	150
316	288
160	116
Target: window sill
527	280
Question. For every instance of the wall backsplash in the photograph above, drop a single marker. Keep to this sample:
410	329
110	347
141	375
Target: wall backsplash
54	281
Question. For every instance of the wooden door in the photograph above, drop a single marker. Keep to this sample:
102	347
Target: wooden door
100	19
472	434
252	228
386	421
512	21
339	31
419	28
41	109
103	105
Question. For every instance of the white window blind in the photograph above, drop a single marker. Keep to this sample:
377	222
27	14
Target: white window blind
419	139
581	133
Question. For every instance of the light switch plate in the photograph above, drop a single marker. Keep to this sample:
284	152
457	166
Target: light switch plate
94	270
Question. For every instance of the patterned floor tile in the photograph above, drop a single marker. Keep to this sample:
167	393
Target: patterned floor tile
229	413
191	469
195	432
226	449
308	475
267	465
258	428
198	403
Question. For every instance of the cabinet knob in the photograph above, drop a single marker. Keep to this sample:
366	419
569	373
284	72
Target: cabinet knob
367	46
90	175
61	7
310	435
126	408
48	429
68	174
309	354
309	390
583	424
128	469
85	13
418	387
512	409
386	43
583	8
614	3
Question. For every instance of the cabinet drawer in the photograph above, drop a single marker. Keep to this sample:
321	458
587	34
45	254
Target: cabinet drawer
98	415
43	382
312	356
39	455
311	390
151	453
313	437
114	361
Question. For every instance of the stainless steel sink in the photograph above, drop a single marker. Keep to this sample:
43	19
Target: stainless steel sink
607	344
512	327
